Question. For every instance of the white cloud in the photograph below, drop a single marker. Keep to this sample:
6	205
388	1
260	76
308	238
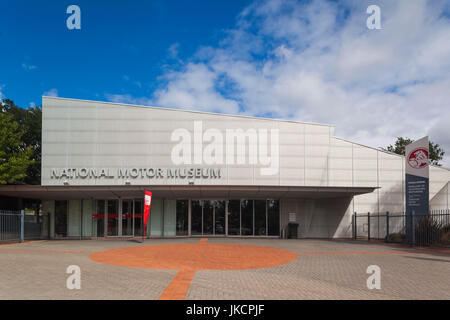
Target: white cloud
441	133
28	66
317	61
51	93
173	50
194	88
129	99
127	78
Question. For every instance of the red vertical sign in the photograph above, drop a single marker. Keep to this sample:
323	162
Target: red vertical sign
147	204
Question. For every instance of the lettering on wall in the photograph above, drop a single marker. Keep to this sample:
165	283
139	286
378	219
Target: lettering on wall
135	173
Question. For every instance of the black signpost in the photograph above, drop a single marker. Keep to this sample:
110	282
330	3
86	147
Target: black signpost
417	187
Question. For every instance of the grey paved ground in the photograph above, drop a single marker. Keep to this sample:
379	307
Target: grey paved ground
38	271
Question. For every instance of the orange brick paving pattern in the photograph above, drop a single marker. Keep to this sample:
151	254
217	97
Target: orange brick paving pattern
189	258
358	252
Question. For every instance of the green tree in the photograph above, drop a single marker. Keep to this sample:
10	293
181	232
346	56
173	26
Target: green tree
30	121
32	139
436	152
14	154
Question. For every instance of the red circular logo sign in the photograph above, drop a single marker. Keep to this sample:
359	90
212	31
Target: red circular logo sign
418	158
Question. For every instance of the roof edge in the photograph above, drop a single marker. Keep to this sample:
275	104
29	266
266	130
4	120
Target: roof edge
386	151
190	111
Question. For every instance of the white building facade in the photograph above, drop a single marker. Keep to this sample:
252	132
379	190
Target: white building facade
210	174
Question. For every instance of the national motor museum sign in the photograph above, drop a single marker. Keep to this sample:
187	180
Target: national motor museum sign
134	173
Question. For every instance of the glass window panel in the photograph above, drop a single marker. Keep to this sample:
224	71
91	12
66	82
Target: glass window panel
74	218
234	217
260	217
208	216
61	218
196	217
155	218
48	209
88	210
219	217
127	218
138	213
182	217
98	219
113	218
273	217
247	217
170	218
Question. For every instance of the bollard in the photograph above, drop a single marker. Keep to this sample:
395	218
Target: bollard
368	226
355	226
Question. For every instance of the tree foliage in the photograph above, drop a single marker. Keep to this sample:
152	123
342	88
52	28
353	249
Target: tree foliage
436	152
20	145
14	154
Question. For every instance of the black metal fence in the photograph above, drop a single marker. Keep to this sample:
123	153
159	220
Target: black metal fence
10	225
17	226
415	229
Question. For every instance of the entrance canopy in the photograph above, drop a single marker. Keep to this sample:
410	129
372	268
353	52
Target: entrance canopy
179	192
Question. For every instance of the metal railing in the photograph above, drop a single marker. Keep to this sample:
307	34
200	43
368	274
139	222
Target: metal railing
414	229
10	225
16	226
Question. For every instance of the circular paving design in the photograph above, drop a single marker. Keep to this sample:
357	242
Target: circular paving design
194	257
189	258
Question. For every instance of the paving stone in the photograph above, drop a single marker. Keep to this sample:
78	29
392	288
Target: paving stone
324	269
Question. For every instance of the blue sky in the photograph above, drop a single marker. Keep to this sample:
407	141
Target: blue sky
312	60
122	47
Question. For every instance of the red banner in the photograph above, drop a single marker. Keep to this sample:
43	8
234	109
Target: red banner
147	204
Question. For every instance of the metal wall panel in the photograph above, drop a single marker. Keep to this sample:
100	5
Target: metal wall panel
88	134
84	134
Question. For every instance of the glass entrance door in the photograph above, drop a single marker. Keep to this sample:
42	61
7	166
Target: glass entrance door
113	218
138	215
197	217
126	218
208	217
234	217
98	219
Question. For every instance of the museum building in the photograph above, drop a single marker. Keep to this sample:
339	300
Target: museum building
210	174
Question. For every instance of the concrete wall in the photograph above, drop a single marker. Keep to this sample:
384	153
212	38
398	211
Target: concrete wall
319	218
351	164
441	200
87	134
80	134
88	210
